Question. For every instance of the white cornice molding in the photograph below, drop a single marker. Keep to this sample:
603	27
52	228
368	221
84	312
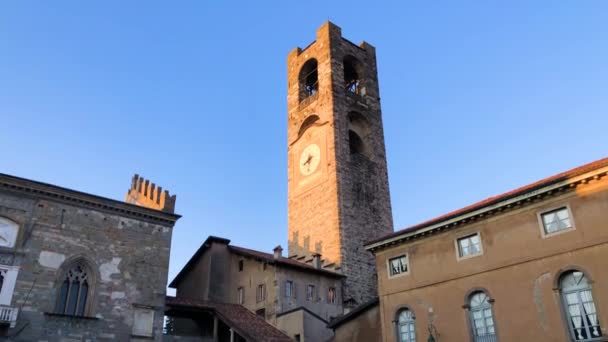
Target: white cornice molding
493	208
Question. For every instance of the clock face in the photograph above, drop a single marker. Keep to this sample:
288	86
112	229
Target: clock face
309	159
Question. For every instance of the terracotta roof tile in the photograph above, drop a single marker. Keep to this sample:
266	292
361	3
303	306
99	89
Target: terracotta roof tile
236	316
282	261
502	197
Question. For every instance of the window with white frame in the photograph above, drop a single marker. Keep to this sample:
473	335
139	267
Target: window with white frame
579	307
8	278
406	326
556	220
310	292
8	232
241	295
289	289
261	293
331	295
398	265
481	317
469	245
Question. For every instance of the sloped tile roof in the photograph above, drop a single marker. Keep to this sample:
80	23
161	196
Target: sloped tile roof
282	261
499	198
245	322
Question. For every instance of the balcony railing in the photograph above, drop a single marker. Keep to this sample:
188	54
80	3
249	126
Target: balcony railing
8	315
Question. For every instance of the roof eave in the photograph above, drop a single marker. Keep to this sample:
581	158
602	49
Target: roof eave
491	208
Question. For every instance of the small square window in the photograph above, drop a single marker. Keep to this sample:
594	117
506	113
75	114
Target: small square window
289	289
240	265
556	220
310	293
398	265
469	245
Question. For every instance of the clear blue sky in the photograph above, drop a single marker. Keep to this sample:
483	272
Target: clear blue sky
477	98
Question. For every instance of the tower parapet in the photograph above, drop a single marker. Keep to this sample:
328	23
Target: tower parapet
146	194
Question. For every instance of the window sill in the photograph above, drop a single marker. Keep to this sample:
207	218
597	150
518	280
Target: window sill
53	314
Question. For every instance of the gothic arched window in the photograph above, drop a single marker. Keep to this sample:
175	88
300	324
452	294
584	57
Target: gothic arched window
73	297
579	307
406	326
481	317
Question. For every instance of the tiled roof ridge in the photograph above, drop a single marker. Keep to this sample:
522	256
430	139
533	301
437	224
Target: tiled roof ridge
499	198
281	260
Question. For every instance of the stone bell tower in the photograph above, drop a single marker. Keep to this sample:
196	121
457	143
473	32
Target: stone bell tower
338	182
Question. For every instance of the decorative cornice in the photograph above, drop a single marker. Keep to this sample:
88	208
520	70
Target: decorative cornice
55	193
508	204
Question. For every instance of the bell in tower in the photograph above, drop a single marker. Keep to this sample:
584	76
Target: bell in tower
338	185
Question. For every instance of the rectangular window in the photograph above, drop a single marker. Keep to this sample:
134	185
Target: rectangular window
310	293
556	220
240	265
261	293
331	295
289	289
469	245
241	295
398	265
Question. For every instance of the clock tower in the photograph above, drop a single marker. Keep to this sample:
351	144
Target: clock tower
338	184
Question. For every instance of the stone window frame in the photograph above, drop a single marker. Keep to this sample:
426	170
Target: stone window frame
240	295
466	306
547	210
395	256
398	311
559	297
313	293
241	265
463	236
93	277
18	236
289	284
260	293
7	286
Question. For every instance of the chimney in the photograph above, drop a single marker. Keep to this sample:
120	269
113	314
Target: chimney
316	260
278	252
147	194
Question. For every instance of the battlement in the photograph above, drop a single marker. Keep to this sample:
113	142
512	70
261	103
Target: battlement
147	194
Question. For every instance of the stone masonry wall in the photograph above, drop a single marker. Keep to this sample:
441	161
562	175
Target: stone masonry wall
128	259
346	202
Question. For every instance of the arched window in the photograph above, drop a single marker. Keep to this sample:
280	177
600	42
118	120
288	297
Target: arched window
74	295
481	318
359	133
579	307
309	79
309	121
406	326
352	74
355	143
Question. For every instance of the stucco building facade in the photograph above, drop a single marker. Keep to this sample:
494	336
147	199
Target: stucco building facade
295	297
527	265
